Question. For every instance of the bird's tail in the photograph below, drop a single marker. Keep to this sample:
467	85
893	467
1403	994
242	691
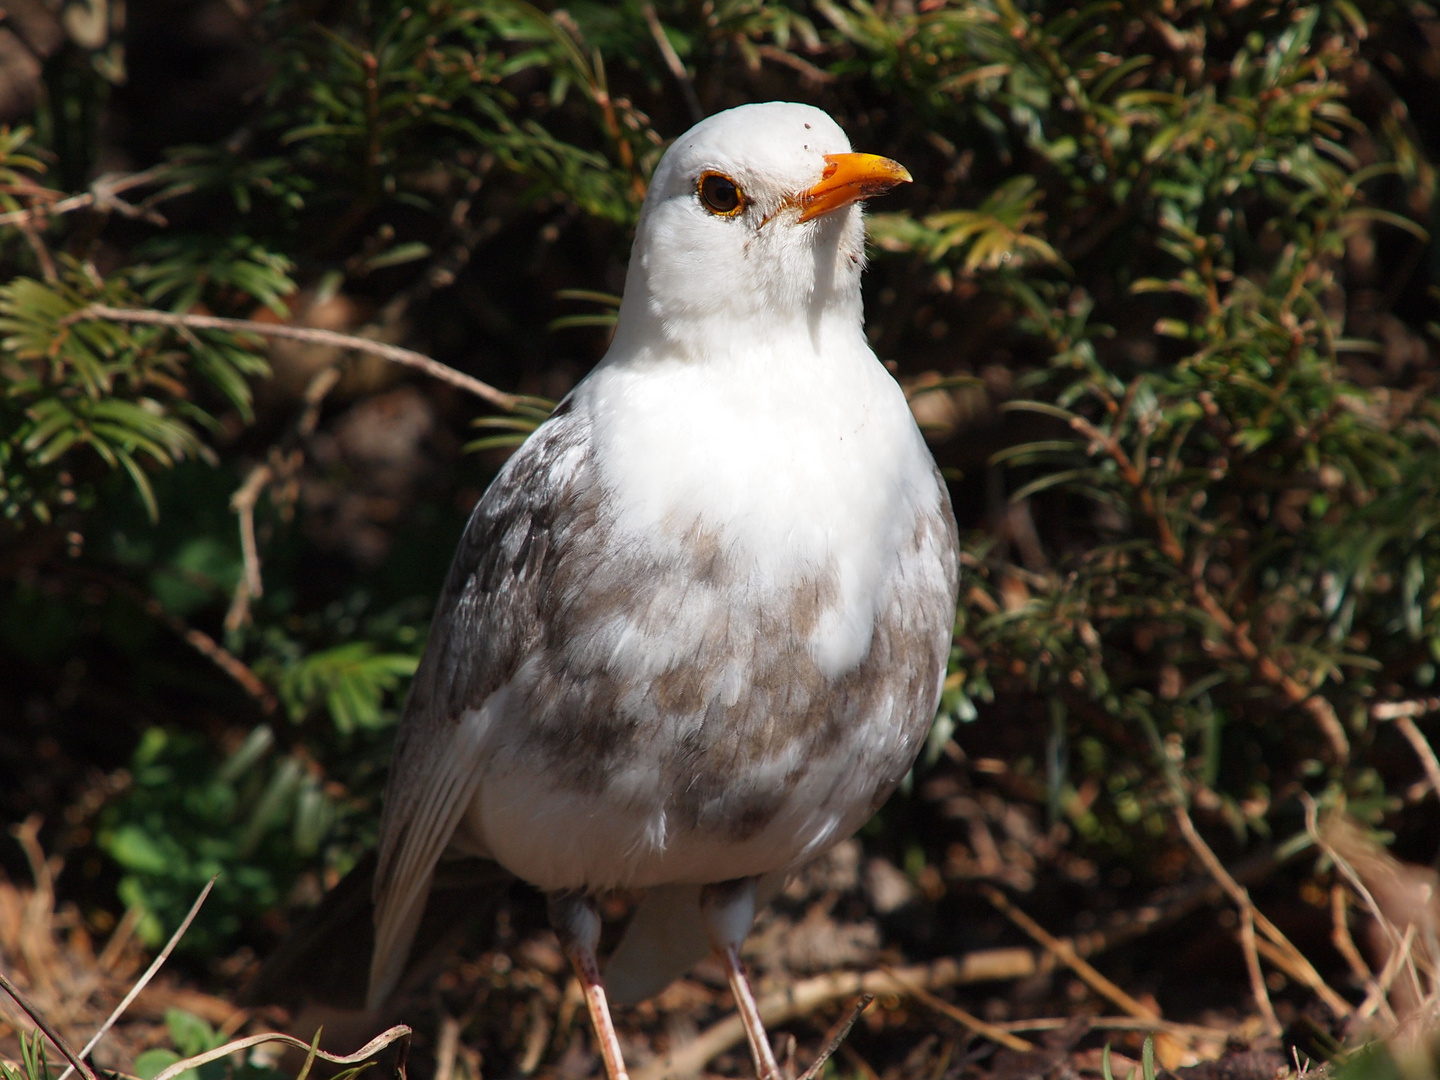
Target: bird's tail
664	940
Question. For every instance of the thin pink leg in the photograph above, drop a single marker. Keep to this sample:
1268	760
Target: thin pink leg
577	925
765	1065
728	910
589	973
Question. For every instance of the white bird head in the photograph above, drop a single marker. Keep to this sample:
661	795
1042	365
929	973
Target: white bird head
752	218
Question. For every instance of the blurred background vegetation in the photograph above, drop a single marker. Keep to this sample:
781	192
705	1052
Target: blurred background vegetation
1164	296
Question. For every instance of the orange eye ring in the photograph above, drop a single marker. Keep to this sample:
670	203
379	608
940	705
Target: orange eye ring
720	195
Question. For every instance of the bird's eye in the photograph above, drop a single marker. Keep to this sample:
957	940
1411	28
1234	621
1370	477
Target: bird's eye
721	195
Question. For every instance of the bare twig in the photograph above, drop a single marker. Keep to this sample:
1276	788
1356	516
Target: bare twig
1294	962
280	467
120	937
1399	959
672	61
1065	952
202	643
1423	750
36	943
805	997
1375	997
1394	710
1118	1023
393	353
1345	945
217	654
42	253
1238	634
316	391
140	984
50	1033
808	71
104	194
960	1016
835	1037
1251	949
251	586
370	1049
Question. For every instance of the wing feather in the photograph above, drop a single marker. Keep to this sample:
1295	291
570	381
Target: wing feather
487	621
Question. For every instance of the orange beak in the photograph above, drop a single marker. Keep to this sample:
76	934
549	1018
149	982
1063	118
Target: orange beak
849	178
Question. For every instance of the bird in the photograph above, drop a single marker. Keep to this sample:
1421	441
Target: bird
697	627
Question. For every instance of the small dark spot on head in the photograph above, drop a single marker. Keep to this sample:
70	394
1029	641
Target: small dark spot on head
807	127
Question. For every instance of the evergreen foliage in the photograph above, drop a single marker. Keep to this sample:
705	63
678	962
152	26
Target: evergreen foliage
1163	293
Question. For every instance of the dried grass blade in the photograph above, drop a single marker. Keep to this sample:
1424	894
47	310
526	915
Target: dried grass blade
370	1049
144	979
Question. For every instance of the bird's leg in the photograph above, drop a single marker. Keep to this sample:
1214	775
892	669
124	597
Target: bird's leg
577	925
728	910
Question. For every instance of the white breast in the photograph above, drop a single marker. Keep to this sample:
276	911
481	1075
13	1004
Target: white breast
805	462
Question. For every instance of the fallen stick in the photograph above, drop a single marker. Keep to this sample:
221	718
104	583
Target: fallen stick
805	997
1064	951
966	1019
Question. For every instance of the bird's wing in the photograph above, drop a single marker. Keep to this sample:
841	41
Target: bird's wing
486	622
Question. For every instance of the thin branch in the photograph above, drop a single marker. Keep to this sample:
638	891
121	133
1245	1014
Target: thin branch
808	995
143	981
1345	945
672	61
251	586
1065	952
119	938
1423	750
280	467
37	945
202	643
42	254
835	1037
1388	928
1119	1023
1294	963
104	194
393	353
1394	710
220	656
963	1018
808	71
1315	704
1399	959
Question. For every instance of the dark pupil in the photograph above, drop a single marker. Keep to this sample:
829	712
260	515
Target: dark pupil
719	194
